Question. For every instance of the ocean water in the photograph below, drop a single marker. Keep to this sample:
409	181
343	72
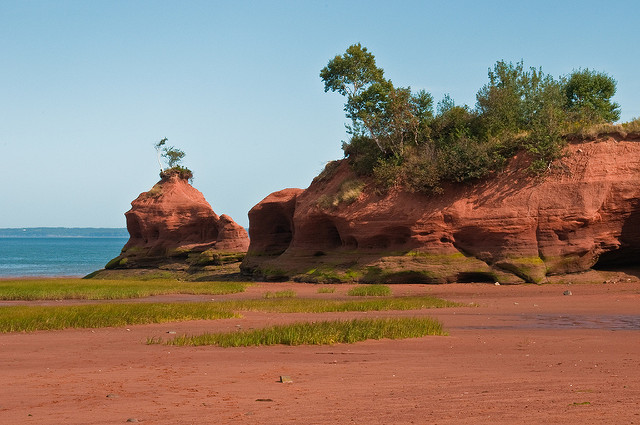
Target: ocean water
32	257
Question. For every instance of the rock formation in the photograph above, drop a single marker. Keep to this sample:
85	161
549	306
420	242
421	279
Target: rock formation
583	212
174	223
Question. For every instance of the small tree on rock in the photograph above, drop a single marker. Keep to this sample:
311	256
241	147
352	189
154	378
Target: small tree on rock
173	157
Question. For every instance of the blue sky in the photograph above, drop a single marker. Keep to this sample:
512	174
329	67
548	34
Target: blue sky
87	87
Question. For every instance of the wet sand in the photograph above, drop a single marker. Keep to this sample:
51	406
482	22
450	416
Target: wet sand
514	354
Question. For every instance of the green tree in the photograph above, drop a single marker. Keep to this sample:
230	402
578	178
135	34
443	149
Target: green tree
356	76
173	156
390	117
352	73
508	103
589	95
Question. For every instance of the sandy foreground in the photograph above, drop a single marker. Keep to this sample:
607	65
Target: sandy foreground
524	354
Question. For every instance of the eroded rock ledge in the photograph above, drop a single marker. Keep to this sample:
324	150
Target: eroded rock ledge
583	213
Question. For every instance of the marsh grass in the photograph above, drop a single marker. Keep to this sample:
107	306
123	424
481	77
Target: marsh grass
33	318
57	289
308	305
374	290
318	333
326	290
279	294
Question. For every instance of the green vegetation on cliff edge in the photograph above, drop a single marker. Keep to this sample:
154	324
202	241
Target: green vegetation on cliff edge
398	138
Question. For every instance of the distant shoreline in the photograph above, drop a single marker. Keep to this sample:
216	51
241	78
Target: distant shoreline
64	232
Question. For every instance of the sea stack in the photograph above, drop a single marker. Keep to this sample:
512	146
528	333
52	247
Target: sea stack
511	227
173	224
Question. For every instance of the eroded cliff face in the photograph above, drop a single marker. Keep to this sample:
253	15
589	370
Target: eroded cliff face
174	223
584	212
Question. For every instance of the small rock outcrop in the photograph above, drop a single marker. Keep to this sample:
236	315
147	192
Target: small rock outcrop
174	223
583	212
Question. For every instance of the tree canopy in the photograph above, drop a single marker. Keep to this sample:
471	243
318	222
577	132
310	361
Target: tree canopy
391	117
589	93
397	138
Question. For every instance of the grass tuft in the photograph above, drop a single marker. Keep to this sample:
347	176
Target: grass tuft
319	333
347	194
326	290
375	290
279	294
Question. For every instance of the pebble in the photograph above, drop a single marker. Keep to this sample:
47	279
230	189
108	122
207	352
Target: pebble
567	293
132	420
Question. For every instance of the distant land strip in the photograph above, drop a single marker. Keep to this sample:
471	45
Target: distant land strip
64	232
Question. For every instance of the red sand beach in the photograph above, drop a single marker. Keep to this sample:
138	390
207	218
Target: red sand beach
522	354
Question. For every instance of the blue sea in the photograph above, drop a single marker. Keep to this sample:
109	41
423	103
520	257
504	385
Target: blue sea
56	256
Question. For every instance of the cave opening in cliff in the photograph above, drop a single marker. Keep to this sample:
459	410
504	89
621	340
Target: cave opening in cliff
327	235
134	227
392	237
475	277
280	235
350	242
628	253
618	259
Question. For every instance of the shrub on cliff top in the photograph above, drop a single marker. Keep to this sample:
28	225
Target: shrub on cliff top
182	172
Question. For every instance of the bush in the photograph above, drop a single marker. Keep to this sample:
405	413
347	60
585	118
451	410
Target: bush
386	173
182	172
464	159
421	173
363	154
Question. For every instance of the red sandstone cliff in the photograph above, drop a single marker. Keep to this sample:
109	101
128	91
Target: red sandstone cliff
173	221
584	211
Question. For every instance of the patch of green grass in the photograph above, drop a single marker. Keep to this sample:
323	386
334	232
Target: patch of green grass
584	403
375	290
33	318
440	258
307	305
326	290
213	257
319	333
56	289
274	274
347	194
280	294
327	274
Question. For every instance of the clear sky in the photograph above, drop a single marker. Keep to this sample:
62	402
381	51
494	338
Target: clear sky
87	87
